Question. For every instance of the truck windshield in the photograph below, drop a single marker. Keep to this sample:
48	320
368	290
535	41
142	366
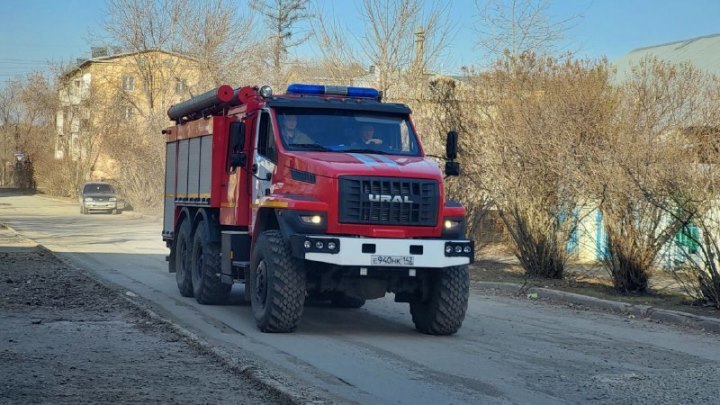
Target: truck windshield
329	130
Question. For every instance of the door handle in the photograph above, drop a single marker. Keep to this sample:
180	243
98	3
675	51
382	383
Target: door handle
254	168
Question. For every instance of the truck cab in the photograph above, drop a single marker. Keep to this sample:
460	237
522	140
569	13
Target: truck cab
322	193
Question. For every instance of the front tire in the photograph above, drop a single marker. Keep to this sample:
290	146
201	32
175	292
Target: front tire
181	259
277	282
444	311
207	286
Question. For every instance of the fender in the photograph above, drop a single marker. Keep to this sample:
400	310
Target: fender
184	214
271	208
210	218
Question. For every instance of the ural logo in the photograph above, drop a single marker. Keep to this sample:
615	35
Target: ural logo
389	198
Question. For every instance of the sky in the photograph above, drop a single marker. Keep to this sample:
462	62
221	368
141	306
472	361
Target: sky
36	32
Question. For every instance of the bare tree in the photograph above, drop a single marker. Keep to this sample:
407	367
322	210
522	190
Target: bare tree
24	127
690	197
540	113
517	26
449	106
282	18
222	42
9	120
174	48
139	26
339	60
694	253
643	164
402	41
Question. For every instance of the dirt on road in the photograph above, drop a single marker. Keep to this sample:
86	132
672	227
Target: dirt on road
65	338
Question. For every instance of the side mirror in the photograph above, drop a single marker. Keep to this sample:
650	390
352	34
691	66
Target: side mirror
237	136
236	143
452	168
451	145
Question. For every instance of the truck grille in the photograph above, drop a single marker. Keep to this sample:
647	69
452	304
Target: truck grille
388	201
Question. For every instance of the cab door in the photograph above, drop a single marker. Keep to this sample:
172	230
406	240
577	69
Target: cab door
264	160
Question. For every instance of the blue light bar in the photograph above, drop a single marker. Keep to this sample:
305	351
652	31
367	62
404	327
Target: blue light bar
313	89
364	92
318	89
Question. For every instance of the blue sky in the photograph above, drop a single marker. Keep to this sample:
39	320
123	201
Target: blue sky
34	32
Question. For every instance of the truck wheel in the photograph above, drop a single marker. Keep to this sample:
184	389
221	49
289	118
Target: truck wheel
444	311
207	287
277	282
180	259
341	300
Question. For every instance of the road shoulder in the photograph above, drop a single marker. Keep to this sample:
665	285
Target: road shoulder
637	311
68	338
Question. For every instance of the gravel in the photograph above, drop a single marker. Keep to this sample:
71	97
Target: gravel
68	339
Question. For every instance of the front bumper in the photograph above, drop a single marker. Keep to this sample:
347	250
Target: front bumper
381	252
100	205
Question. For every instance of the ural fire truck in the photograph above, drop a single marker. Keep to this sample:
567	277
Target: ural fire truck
322	193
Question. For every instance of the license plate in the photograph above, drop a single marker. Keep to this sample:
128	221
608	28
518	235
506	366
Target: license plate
381	260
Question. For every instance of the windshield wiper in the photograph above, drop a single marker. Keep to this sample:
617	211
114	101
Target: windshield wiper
310	146
366	150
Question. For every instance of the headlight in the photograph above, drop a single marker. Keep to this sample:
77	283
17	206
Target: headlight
453	227
449	223
311	219
88	199
303	222
112	199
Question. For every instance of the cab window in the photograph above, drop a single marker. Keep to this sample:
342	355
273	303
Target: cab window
266	138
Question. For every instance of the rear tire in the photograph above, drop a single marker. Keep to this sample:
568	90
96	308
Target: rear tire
181	259
444	311
341	300
207	286
277	282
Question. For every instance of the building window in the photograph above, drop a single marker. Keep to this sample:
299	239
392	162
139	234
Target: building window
128	83
75	88
181	86
128	113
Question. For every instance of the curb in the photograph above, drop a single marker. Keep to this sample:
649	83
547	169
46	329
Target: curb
645	311
247	369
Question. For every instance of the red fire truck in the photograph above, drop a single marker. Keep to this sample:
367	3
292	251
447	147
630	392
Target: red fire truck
322	193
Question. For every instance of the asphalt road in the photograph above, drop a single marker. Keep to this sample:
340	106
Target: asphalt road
508	350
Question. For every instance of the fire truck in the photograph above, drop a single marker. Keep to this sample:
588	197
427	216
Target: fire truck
323	193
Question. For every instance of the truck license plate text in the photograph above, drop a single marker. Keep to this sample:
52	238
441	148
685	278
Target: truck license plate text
381	260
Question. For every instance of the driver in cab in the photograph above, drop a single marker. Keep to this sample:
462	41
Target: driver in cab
367	136
290	133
